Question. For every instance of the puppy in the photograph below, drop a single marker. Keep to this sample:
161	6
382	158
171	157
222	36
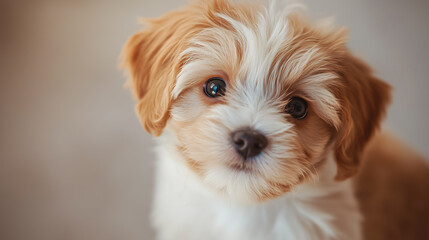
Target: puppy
265	119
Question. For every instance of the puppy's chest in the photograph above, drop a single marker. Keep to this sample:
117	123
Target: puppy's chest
270	221
209	219
183	209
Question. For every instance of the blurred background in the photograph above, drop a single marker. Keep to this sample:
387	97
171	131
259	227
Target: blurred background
74	161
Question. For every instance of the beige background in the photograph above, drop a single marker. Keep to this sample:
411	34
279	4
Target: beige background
74	161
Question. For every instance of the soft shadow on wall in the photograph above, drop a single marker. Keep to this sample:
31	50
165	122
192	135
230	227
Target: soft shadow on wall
74	161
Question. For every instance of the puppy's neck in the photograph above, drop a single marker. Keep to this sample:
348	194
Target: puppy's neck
319	209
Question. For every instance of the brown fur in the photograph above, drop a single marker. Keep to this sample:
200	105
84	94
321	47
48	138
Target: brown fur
152	58
313	133
363	97
364	103
392	188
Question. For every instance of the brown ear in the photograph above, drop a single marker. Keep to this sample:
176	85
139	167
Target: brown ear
152	58
364	101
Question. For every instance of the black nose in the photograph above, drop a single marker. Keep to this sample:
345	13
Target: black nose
248	142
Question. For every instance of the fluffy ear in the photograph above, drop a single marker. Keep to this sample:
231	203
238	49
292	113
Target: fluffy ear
152	59
364	101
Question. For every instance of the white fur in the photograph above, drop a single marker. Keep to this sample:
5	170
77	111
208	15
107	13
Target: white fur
185	209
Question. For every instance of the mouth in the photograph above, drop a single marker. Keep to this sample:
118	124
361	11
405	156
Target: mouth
248	165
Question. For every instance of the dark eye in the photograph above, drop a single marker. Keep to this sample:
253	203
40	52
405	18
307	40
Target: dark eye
297	108
214	87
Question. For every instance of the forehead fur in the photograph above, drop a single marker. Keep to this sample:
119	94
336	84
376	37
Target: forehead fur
276	51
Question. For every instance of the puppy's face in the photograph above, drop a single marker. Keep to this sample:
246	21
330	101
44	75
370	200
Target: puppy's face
256	97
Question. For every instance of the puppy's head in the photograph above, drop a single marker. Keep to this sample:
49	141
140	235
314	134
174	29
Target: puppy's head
256	97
